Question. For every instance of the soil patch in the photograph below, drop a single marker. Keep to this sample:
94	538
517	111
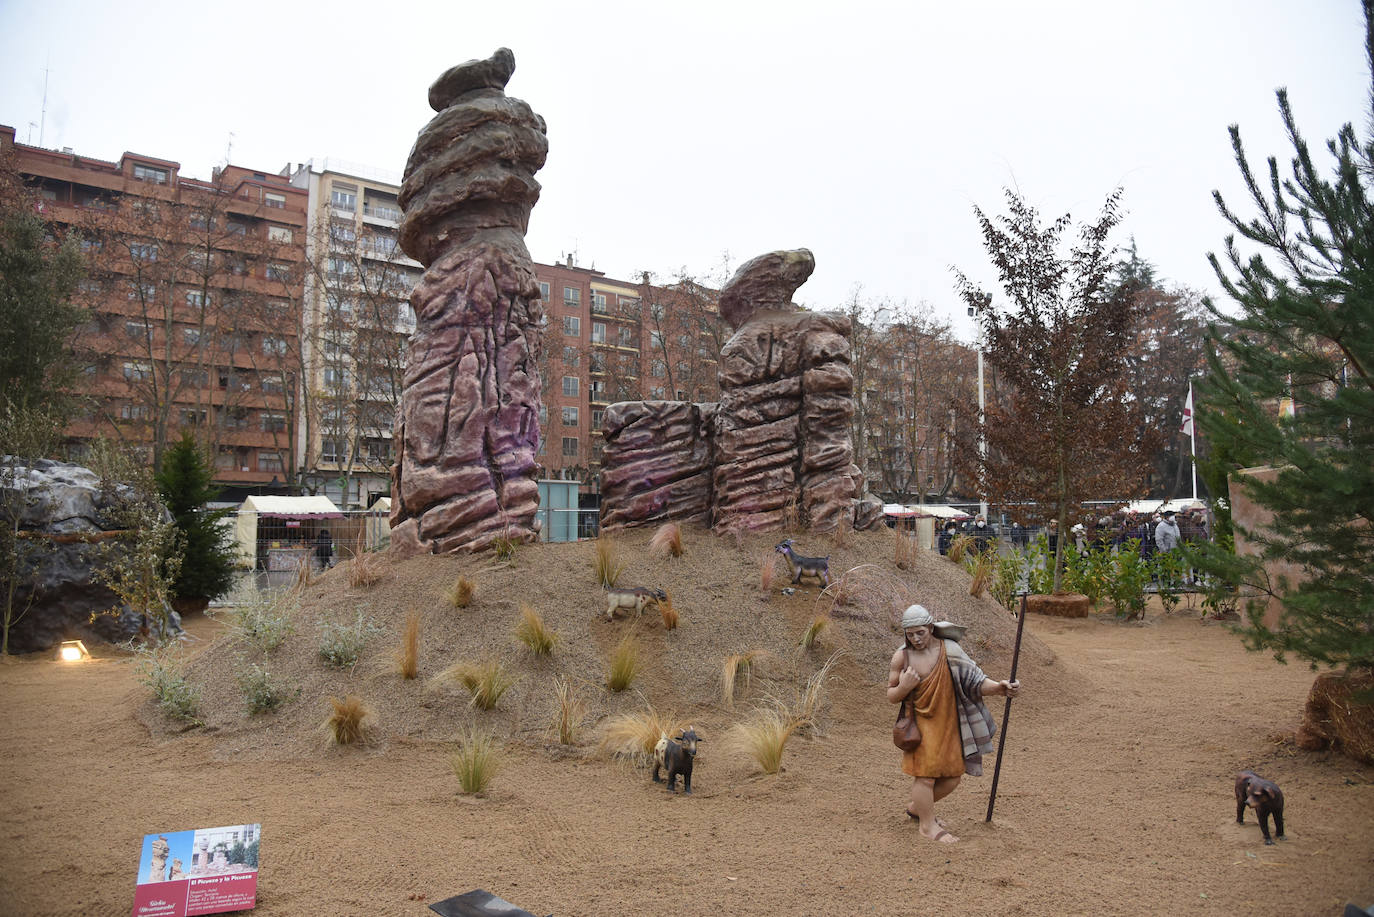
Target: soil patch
1115	796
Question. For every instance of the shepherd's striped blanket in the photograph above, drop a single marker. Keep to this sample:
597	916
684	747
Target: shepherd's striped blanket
976	727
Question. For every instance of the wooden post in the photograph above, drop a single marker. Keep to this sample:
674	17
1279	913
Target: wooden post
1006	711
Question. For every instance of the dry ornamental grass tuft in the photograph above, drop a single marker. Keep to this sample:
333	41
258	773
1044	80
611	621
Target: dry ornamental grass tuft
768	571
460	594
485	681
533	632
667	540
634	735
475	761
365	569
813	631
408	653
346	723
737	666
668	613
568	712
624	663
606	563
764	736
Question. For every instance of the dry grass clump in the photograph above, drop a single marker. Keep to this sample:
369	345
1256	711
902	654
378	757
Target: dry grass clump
811	697
504	547
764	736
738	666
634	735
365	569
346	724
305	574
960	546
408	653
534	633
667	541
904	550
840	539
768	571
982	573
475	761
624	663
666	610
791	515
568	714
606	563
485	681
813	631
460	594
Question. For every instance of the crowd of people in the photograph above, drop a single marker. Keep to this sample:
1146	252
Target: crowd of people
1156	533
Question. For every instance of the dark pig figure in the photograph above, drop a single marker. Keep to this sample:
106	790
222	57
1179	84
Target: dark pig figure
1265	797
677	756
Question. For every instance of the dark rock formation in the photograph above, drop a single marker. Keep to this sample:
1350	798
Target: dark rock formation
64	521
468	422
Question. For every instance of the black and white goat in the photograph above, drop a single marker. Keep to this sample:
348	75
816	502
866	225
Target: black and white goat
636	598
676	756
801	565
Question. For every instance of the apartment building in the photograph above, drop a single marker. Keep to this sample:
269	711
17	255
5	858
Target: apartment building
194	289
357	321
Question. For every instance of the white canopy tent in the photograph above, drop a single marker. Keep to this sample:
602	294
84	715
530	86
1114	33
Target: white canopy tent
289	508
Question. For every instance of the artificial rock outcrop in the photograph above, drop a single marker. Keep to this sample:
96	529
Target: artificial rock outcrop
64	520
775	448
467	426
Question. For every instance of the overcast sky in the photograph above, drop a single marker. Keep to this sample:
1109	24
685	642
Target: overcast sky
681	135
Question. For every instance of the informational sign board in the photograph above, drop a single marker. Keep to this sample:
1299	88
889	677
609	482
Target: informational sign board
205	871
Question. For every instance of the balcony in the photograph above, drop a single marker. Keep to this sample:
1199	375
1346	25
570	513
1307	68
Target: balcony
382	215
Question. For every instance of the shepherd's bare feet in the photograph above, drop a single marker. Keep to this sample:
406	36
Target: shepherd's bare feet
939	822
941	836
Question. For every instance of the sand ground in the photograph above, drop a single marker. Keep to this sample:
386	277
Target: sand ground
1115	795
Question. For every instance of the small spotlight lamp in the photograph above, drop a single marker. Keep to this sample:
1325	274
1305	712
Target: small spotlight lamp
73	651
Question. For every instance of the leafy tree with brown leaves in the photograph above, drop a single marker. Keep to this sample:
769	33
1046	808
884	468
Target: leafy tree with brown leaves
1066	430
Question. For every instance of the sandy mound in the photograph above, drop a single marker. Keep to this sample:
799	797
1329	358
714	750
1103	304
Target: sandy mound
715	588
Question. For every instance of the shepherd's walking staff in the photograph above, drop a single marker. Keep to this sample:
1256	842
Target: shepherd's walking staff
1006	712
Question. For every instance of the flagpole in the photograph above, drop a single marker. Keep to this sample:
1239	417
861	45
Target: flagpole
1192	436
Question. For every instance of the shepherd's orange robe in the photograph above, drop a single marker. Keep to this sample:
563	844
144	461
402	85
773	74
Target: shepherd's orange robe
941	752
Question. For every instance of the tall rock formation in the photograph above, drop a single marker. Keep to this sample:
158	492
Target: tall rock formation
467	426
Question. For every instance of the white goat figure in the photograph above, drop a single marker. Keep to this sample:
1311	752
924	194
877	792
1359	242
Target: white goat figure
636	598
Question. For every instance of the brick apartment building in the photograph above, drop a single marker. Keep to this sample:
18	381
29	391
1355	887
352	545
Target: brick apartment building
194	291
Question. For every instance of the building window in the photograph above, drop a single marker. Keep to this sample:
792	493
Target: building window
148	173
379	450
570	447
190	336
598	332
329	450
572	296
196	378
272	385
599	302
658	369
346	201
269	461
139	372
278	272
570	384
193	417
336	378
342	233
272	423
656	312
596	390
134	412
656	393
202	221
571	357
569	417
273	345
143	251
279	234
136	330
598	418
543	291
543	415
276	201
627	336
656	340
572	326
629	302
235	228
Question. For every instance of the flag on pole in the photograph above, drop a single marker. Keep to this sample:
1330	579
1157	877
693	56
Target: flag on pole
1188	413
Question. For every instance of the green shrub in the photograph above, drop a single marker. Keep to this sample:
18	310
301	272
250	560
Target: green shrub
1130	574
342	644
164	674
261	691
265	620
475	761
1007	574
1040	566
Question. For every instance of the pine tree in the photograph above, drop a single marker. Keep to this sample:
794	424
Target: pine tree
207	570
1066	430
1304	337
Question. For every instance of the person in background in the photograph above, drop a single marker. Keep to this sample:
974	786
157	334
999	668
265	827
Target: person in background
324	549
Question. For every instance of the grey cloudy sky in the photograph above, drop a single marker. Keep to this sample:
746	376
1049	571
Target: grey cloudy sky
681	135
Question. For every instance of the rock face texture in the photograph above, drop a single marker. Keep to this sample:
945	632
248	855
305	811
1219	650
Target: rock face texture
657	462
63	523
468	422
776	445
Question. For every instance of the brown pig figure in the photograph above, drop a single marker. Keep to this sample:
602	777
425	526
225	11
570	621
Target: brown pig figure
1265	797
